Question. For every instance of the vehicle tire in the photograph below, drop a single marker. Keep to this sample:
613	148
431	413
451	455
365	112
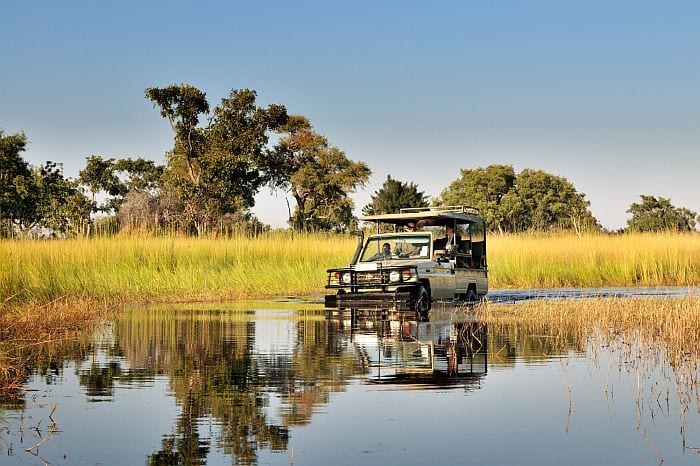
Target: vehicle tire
421	302
472	296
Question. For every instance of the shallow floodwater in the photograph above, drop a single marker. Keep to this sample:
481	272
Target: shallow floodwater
195	385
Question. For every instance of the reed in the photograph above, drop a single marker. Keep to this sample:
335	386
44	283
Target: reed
34	331
282	264
647	336
169	269
596	260
675	319
667	329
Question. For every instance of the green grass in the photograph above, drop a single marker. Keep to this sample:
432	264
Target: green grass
554	261
133	269
169	269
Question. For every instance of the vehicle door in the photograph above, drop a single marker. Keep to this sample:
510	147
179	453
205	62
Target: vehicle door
443	285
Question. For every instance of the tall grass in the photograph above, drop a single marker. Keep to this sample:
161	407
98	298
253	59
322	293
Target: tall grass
647	336
177	269
169	269
32	333
555	261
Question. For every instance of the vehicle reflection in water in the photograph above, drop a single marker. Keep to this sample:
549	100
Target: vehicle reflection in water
433	354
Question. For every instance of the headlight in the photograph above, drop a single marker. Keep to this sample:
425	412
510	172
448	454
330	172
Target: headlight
346	278
406	274
394	276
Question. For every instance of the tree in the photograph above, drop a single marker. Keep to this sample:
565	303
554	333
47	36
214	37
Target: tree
533	199
552	202
116	177
138	174
393	196
483	188
15	181
182	106
99	175
217	169
319	177
658	214
37	197
60	206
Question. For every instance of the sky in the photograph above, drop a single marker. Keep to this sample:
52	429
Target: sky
604	93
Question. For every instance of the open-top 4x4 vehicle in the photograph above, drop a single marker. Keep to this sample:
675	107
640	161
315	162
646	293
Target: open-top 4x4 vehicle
408	270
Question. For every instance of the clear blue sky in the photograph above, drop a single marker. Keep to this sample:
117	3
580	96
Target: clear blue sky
604	93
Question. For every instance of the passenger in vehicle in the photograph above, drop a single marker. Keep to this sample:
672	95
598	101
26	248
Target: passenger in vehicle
406	249
449	239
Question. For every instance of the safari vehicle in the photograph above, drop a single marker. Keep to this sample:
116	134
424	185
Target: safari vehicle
408	270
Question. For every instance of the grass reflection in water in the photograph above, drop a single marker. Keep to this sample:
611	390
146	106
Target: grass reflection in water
650	339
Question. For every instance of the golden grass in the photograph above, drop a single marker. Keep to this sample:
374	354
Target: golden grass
652	329
555	261
32	331
647	335
186	269
675	320
169	269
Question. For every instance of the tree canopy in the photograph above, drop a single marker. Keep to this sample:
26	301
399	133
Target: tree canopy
15	180
393	196
319	176
117	177
658	214
216	169
533	199
222	156
32	198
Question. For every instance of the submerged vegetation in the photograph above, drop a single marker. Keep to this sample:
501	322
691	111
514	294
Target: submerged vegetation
648	336
36	334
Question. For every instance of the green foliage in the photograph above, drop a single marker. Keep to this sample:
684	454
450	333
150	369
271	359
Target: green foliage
658	214
59	205
533	199
117	177
32	198
138	174
485	188
319	177
15	181
235	164
218	169
552	202
393	196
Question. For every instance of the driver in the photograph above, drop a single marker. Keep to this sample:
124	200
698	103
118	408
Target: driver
385	253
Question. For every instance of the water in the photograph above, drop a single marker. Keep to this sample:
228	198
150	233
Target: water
513	296
196	385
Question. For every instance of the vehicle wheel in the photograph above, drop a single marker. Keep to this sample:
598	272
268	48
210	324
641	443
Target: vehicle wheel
471	295
421	303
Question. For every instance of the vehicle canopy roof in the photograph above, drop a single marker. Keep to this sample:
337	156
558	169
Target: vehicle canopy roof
429	216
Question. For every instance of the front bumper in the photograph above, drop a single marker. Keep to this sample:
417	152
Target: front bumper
398	300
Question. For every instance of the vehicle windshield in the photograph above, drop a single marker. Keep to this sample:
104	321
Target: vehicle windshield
397	247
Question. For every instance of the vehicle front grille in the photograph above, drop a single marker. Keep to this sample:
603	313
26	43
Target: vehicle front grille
366	278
